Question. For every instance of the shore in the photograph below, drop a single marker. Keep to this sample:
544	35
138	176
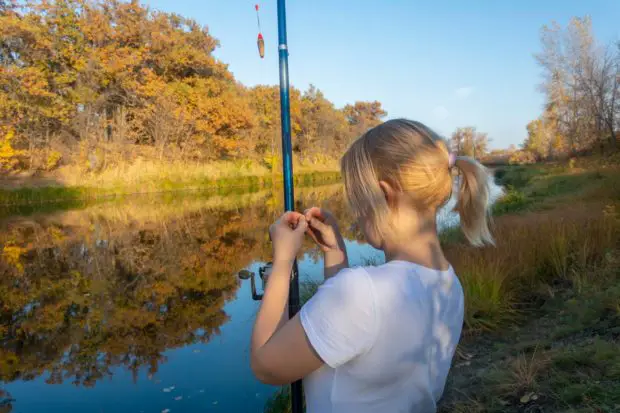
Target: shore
142	177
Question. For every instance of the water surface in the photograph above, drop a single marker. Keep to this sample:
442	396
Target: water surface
135	305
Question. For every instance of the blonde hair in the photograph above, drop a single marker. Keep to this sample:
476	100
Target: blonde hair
416	161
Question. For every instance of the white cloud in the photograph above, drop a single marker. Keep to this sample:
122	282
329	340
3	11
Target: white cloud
440	112
464	92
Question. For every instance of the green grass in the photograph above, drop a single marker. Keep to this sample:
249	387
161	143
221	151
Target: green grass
489	298
512	201
452	235
280	402
518	177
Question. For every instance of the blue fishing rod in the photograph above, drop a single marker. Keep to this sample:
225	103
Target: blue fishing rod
287	172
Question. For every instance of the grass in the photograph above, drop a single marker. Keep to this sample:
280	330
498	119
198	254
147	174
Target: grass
564	358
512	201
152	177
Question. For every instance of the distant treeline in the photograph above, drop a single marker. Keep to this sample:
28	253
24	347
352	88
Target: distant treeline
79	75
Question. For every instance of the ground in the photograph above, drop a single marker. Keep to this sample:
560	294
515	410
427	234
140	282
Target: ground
562	357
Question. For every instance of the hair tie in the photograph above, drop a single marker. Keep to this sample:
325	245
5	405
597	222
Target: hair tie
451	160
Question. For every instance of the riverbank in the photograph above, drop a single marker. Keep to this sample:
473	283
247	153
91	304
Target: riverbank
543	316
542	306
141	177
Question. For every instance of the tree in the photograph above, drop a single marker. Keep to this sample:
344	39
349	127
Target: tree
362	116
264	101
468	142
581	83
323	127
100	76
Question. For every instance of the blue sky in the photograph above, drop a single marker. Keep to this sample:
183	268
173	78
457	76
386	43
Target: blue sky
445	63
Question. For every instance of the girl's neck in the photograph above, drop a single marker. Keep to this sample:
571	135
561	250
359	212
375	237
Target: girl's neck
418	245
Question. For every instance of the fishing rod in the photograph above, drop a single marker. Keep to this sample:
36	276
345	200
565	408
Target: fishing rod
287	173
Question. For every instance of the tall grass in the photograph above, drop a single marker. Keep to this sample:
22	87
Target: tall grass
180	173
489	297
142	176
534	253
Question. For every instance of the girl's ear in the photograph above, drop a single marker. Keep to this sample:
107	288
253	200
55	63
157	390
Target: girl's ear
389	192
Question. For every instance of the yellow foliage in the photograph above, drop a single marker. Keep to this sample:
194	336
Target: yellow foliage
53	160
522	158
11	254
9	156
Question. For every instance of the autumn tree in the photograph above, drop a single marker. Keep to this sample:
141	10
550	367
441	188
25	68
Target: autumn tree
264	102
581	81
323	127
362	116
467	141
92	77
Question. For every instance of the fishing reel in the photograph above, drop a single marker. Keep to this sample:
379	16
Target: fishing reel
263	273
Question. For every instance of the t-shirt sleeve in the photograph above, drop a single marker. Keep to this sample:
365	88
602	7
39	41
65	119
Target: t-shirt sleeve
340	320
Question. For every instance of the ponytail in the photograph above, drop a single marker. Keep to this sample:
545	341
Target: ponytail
365	196
473	201
417	161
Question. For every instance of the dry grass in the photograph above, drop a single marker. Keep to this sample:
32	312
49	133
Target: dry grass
154	174
146	176
572	225
533	253
521	374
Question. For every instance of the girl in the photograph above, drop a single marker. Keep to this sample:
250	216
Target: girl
375	339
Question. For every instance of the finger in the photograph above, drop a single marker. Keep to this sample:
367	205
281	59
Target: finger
302	225
314	212
291	217
288	219
318	225
313	233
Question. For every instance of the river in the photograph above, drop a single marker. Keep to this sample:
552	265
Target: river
134	305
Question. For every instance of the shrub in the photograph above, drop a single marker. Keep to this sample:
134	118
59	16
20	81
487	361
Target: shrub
522	158
512	201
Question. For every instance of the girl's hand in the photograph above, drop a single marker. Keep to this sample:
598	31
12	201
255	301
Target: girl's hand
287	235
323	229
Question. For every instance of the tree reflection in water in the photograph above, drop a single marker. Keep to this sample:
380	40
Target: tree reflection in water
82	292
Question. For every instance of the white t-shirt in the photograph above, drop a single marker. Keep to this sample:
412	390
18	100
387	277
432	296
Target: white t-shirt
387	335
